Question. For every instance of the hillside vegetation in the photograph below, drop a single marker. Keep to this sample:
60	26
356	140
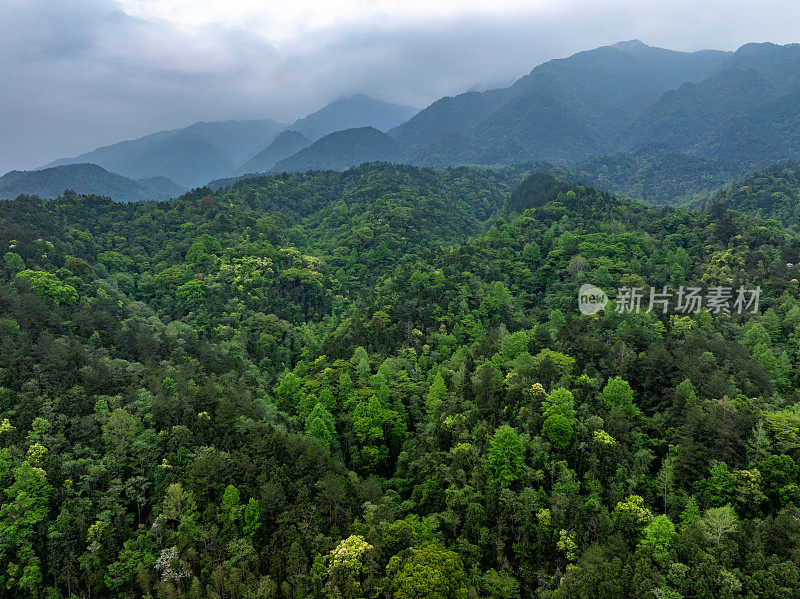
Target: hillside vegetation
376	383
86	179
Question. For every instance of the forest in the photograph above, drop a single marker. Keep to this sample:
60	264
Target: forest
376	383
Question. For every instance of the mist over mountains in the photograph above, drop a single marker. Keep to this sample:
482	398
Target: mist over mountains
706	108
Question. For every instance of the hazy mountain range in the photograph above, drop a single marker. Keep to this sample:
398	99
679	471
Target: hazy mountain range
703	116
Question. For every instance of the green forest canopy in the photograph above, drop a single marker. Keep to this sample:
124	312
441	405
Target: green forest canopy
377	383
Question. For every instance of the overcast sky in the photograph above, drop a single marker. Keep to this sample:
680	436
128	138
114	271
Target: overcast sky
76	74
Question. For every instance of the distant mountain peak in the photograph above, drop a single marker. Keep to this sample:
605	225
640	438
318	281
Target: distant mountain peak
630	45
353	111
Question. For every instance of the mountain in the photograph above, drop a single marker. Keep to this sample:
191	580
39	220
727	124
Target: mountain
85	179
162	185
747	111
739	107
190	156
192	162
284	145
654	174
341	150
707	114
564	110
351	112
235	140
684	117
763	133
447	116
771	193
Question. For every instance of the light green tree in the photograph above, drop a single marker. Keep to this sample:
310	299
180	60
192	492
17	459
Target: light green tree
506	456
430	572
321	425
20	516
719	522
436	396
230	506
658	536
252	517
558	411
343	570
618	395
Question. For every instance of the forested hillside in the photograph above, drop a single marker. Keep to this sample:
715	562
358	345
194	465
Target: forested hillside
654	174
341	150
86	179
284	145
771	193
563	111
377	383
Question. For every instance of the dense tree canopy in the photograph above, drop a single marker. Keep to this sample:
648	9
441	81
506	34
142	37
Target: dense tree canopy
377	384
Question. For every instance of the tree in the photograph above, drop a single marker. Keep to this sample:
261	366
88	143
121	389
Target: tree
487	383
120	429
658	536
632	511
558	411
437	394
13	262
230	506
252	517
288	391
360	361
429	572
343	569
49	286
179	512
506	456
500	585
778	472
115	261
321	425
24	510
618	395
191	294
557	429
719	522
556	322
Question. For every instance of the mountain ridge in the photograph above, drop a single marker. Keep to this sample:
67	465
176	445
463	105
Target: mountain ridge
85	178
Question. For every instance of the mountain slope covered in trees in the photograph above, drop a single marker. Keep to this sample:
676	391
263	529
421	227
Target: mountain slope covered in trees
747	111
377	383
655	174
86	179
341	150
284	145
773	193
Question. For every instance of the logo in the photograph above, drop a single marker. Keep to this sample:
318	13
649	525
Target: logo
591	299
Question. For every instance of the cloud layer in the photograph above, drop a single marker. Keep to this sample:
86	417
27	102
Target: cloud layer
84	73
